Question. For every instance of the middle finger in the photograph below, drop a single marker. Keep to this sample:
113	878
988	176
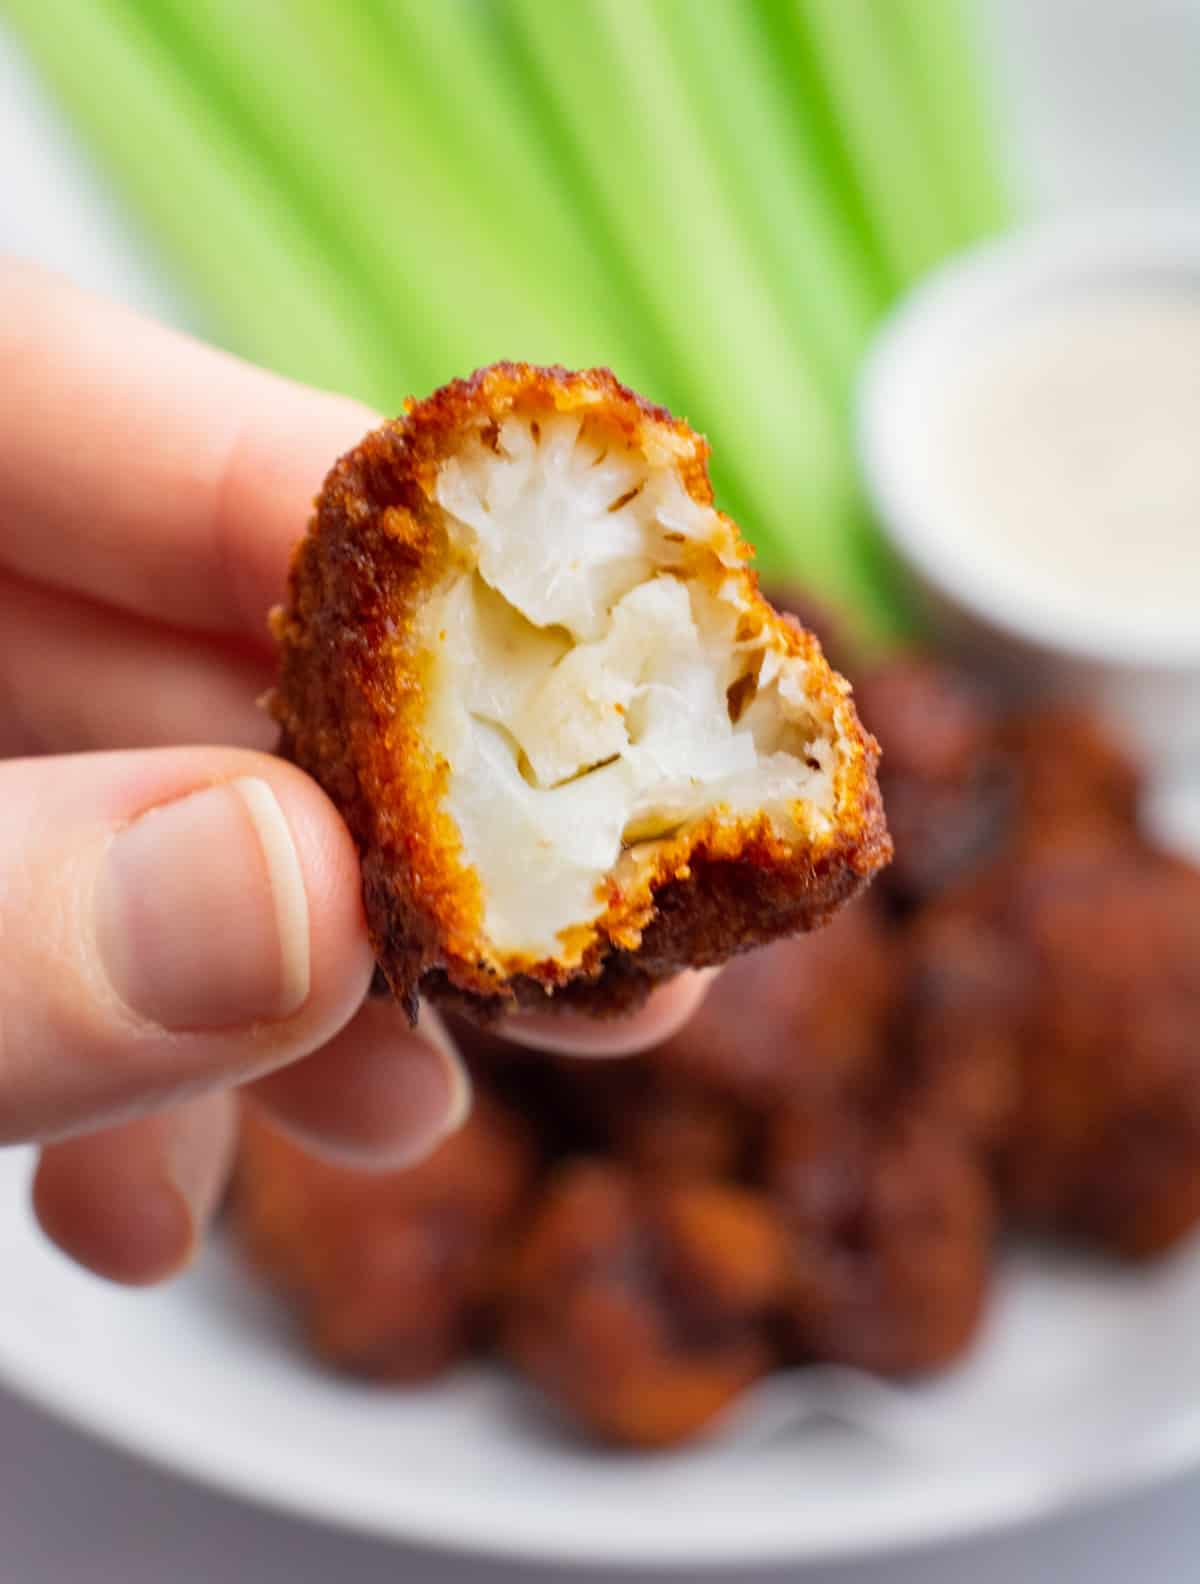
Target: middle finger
76	676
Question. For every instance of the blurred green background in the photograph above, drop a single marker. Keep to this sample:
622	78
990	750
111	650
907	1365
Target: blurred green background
717	198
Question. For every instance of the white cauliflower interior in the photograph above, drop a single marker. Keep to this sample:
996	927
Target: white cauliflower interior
588	694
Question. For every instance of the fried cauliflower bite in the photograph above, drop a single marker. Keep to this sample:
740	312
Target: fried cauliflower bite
578	751
1103	945
799	1021
1070	776
643	1308
679	1133
948	792
960	1053
890	1223
391	1273
663	1127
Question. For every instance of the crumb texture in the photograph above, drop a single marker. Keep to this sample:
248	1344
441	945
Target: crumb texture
577	749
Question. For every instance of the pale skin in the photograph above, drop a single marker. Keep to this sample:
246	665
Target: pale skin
180	912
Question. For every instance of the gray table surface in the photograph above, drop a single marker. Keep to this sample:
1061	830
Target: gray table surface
72	1509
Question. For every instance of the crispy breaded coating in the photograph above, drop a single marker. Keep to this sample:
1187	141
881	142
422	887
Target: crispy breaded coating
680	1133
801	1020
643	1308
665	1127
947	789
966	780
523	653
1102	939
890	1224
1070	775
959	1059
392	1273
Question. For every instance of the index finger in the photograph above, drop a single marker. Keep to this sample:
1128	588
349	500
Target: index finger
144	469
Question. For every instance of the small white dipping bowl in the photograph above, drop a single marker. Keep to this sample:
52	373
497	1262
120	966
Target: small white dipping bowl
1138	665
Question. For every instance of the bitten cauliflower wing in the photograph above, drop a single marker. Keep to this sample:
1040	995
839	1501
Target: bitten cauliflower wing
577	749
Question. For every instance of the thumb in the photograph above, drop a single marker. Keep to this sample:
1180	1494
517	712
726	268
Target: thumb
170	921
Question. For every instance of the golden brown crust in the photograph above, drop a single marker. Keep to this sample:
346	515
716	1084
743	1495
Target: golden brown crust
1094	938
390	1272
644	1309
891	1224
350	705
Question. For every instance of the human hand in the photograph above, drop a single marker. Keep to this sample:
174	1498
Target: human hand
178	920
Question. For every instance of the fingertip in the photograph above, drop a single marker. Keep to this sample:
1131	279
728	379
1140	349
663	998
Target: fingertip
677	1003
132	1248
377	1097
131	1203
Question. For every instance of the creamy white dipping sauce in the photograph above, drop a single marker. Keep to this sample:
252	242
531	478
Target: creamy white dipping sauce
1070	452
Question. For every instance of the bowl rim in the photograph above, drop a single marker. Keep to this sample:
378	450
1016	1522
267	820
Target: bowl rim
932	334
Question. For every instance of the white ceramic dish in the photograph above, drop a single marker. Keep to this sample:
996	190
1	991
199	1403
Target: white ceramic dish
1087	1381
1144	671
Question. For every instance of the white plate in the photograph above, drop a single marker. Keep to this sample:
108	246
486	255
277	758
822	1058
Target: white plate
1087	1381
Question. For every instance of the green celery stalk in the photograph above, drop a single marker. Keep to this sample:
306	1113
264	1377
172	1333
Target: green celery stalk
181	31
325	100
619	97
823	287
872	106
521	87
812	129
210	209
801	461
934	46
882	603
286	105
826	287
499	162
